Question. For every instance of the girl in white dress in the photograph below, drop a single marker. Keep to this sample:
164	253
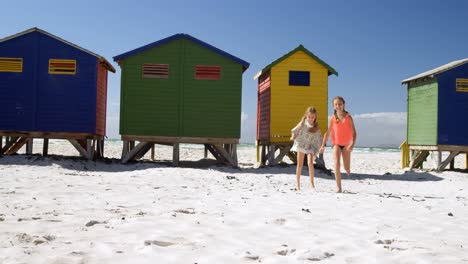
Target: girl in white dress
307	140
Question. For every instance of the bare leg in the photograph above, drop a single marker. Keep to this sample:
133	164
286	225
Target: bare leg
346	154
300	163
337	156
310	163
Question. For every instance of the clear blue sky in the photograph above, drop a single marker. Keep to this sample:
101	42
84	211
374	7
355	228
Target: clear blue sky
372	44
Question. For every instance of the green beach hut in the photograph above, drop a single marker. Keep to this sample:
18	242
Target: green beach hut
180	90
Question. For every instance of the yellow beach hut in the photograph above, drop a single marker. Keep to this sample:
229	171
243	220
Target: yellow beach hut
286	87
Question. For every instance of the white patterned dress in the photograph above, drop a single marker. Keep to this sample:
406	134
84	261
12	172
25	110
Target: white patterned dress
306	142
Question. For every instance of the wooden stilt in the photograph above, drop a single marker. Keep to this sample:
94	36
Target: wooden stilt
143	150
271	155
83	152
439	158
125	149
101	148
205	152
263	156
224	155
90	147
1	143
320	162
175	154
418	158
219	152
444	164
132	144
152	152
283	151
257	146
138	151
29	146
45	147
234	153
16	145
8	144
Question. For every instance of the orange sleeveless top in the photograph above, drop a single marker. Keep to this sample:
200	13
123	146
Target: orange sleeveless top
341	132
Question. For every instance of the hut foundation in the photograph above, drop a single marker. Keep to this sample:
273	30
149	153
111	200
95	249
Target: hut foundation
89	146
419	154
224	150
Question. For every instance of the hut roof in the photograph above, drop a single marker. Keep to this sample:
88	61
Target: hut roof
299	48
178	36
101	59
436	71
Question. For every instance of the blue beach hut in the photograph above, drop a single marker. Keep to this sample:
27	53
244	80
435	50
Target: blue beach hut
51	88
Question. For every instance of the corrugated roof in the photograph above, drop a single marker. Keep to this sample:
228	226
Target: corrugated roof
101	59
177	36
299	48
436	71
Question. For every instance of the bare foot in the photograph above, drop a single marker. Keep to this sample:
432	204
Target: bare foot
312	185
339	190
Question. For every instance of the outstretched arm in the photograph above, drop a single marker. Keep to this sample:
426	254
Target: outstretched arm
325	136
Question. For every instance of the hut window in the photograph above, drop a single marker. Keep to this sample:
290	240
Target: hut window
11	65
58	66
462	85
152	70
203	72
299	78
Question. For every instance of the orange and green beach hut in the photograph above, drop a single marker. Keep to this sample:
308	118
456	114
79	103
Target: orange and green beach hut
286	87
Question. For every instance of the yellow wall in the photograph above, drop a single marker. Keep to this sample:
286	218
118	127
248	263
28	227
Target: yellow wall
288	103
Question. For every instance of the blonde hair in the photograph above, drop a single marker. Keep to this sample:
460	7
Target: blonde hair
315	125
334	110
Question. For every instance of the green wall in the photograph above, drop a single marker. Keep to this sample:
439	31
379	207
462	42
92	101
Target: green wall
422	113
181	105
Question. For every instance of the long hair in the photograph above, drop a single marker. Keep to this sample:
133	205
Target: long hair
334	111
315	125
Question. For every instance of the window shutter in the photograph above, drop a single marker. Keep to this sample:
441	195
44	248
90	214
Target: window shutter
59	66
204	72
152	70
11	65
299	78
462	85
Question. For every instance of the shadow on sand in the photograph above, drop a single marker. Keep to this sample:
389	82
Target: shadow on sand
115	165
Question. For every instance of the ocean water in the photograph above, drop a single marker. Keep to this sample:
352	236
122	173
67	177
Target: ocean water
252	146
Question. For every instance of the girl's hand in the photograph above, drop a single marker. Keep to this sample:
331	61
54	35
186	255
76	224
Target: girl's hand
293	136
322	149
349	147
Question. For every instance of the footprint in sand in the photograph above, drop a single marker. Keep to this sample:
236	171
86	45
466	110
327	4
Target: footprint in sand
250	256
159	243
280	221
185	211
285	251
388	244
316	256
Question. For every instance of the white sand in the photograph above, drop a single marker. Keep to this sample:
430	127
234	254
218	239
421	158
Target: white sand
68	210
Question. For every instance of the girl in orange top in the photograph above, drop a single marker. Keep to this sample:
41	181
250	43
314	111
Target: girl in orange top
343	137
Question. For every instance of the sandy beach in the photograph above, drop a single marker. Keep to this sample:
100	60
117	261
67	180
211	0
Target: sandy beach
63	209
